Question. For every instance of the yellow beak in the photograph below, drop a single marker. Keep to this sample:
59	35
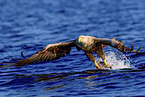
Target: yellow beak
79	40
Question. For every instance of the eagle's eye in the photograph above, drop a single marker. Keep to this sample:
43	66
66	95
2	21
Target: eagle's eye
88	39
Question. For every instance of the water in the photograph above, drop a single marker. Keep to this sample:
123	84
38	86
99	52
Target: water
29	25
116	60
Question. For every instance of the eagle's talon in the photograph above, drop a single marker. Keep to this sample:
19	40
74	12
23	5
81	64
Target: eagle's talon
97	65
106	64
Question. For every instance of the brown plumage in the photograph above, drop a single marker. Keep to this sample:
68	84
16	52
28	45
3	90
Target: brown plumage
88	44
49	53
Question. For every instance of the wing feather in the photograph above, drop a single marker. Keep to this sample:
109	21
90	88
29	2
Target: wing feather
50	52
117	44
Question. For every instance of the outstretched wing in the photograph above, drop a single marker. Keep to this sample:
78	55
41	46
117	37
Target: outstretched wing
123	48
117	44
50	52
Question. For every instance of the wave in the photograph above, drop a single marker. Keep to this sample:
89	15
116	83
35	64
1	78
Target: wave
116	60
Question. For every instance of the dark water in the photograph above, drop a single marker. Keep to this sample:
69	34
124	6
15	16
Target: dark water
29	25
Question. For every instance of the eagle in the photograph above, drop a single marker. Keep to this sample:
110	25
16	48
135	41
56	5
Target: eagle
88	44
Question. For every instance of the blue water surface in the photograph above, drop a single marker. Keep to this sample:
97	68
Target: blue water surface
29	25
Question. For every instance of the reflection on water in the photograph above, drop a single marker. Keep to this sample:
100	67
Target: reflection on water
92	79
55	87
54	78
84	81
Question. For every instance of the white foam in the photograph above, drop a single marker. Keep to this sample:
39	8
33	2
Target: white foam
117	60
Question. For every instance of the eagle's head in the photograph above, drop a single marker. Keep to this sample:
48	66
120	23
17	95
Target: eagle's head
85	41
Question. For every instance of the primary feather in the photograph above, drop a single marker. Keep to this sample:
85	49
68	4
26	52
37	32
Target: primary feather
50	52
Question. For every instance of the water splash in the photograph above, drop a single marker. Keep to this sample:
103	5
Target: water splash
117	60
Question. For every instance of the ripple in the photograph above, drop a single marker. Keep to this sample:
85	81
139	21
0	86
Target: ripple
29	25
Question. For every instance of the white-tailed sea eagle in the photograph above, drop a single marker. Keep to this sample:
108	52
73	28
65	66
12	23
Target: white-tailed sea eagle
88	44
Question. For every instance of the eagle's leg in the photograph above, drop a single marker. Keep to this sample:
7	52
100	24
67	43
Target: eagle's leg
101	54
91	57
105	63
